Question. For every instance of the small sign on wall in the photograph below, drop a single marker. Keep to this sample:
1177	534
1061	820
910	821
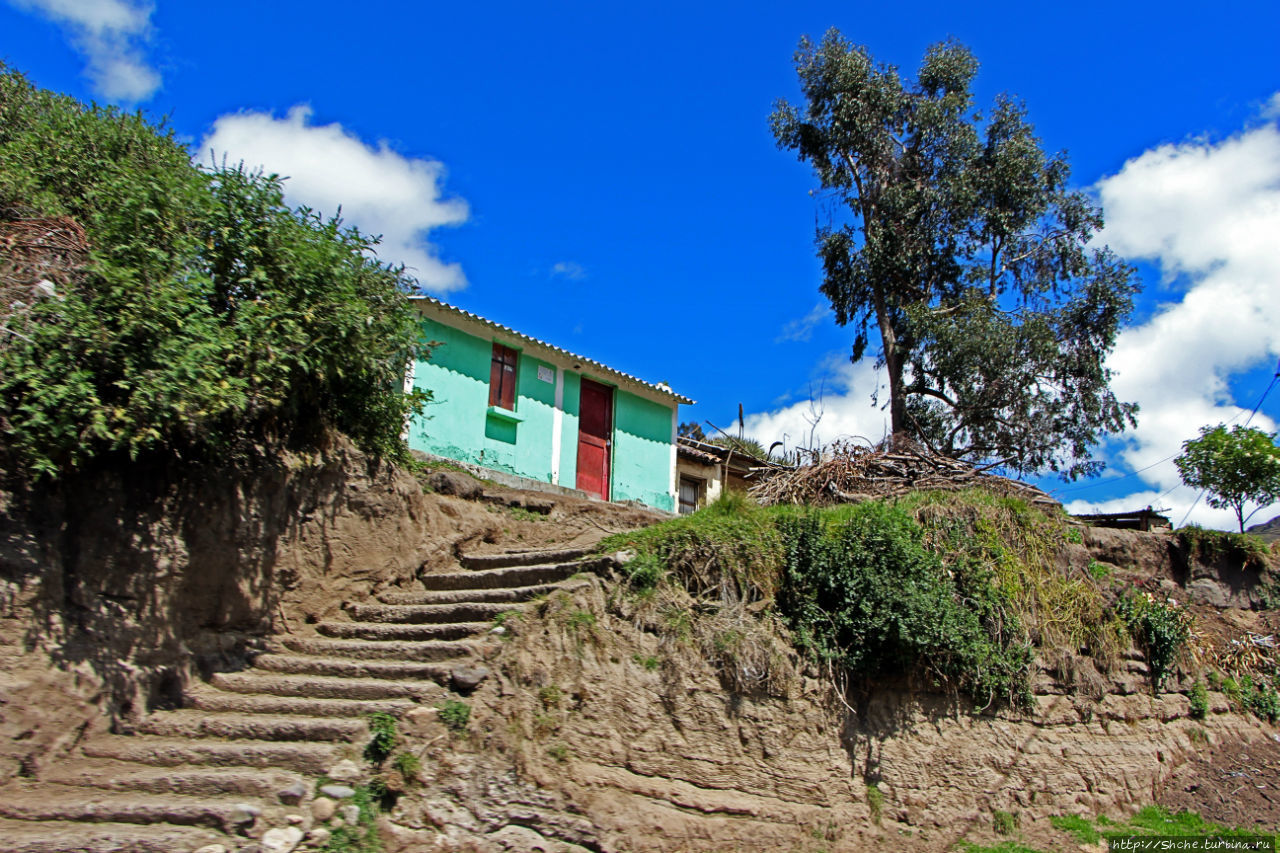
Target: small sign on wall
546	374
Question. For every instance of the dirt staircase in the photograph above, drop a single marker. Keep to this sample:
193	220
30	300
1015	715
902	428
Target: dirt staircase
237	765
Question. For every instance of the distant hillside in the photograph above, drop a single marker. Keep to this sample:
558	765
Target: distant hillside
1268	530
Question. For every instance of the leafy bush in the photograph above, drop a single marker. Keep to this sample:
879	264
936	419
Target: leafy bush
1159	629
863	591
1199	700
209	317
382	728
454	714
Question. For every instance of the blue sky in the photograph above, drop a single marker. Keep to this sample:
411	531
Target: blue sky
603	176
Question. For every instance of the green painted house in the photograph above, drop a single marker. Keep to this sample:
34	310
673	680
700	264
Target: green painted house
511	403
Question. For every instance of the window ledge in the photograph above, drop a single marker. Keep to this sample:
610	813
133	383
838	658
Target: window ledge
501	414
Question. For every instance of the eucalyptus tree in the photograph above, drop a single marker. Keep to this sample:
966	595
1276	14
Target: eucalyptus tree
956	244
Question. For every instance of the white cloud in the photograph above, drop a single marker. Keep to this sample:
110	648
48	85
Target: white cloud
112	35
1208	214
379	190
571	270
838	406
801	329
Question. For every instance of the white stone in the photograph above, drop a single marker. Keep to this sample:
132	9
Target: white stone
212	848
345	770
351	814
294	819
281	839
338	792
318	837
323	808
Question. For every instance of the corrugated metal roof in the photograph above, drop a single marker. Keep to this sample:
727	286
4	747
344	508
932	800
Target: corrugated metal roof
603	369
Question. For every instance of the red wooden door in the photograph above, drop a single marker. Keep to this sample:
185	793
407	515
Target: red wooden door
595	429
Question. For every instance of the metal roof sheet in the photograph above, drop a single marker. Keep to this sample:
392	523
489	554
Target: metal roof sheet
656	387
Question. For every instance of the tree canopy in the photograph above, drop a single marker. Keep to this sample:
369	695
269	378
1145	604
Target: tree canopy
1237	467
204	315
956	242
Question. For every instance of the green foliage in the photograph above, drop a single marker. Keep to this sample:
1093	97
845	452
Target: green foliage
1198	698
362	836
1236	468
875	802
648	662
645	571
382	728
1099	571
1083	830
729	550
1209	545
863	591
1149	821
1004	823
408	765
964	253
209	318
454	714
1159	629
559	752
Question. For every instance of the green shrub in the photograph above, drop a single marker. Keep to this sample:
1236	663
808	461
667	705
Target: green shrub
1199	699
408	765
1263	701
875	802
1159	629
382	728
209	318
863	591
454	714
645	571
1004	823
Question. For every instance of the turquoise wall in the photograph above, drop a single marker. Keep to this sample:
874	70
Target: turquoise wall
458	423
642	451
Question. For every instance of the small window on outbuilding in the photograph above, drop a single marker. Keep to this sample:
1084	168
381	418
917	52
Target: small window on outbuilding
502	378
692	491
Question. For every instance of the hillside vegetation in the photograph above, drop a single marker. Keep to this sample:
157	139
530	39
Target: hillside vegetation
962	590
202	315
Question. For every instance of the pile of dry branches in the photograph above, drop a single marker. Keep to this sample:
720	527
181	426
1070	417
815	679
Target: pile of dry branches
846	472
39	258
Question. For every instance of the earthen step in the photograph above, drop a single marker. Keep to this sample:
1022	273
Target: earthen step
313	758
39	801
521	558
20	836
373	649
318	687
511	578
417	614
351	668
389	631
193	782
189	723
206	699
457	596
